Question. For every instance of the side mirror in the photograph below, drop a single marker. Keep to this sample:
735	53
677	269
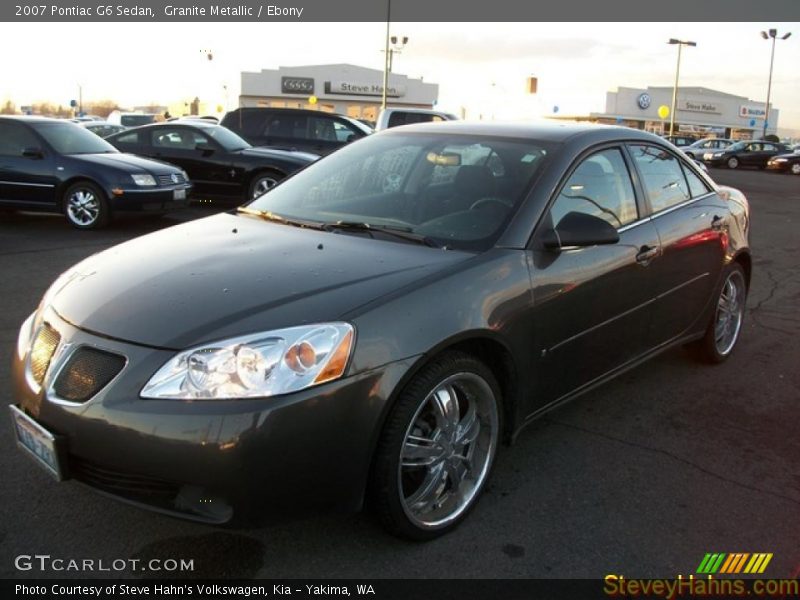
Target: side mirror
579	229
351	138
33	152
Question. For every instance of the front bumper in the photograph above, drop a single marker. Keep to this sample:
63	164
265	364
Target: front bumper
209	460
158	199
778	166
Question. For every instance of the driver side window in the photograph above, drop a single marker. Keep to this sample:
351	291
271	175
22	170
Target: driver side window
600	186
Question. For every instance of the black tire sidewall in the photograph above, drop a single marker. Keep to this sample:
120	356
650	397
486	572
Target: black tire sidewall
384	491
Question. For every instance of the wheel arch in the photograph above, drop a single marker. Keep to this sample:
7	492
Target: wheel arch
485	346
67	183
744	259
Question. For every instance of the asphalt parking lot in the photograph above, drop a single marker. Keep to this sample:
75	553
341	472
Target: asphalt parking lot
640	478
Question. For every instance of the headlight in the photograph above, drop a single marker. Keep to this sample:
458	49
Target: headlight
780	159
255	366
185	176
144	179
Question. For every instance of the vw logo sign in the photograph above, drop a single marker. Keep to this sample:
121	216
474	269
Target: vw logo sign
644	101
174	178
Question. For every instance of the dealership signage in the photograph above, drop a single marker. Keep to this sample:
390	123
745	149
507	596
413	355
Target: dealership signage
358	88
752	111
297	85
700	107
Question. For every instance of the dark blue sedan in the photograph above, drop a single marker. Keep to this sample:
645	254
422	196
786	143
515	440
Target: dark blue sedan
54	165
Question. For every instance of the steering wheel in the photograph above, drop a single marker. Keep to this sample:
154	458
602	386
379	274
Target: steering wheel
489	201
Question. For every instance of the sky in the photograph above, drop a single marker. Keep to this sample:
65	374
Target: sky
481	67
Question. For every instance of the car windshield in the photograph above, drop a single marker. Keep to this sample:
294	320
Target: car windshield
69	138
226	138
454	191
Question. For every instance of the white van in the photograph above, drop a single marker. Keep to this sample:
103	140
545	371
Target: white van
130	119
393	117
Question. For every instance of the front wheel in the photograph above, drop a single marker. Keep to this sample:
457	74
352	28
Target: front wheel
733	162
795	168
726	324
437	448
85	206
262	182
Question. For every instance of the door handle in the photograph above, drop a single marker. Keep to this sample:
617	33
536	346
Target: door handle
646	254
717	223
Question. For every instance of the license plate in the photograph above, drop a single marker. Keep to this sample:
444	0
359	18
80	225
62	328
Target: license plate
179	195
37	442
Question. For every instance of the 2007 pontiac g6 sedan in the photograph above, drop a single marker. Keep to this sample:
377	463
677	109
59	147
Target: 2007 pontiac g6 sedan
376	325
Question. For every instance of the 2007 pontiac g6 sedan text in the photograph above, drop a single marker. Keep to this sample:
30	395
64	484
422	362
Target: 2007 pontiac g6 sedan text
374	326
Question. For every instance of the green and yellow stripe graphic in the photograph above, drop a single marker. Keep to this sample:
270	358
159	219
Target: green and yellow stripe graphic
741	562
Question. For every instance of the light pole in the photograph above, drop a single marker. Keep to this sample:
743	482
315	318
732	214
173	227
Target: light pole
681	44
397	47
773	33
386	55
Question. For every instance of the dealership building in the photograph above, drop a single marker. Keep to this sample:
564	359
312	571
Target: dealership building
347	89
698	110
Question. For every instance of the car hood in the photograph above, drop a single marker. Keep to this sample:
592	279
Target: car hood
792	155
233	274
301	158
129	163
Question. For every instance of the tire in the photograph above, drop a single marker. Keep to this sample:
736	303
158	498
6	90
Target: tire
733	162
427	446
261	183
725	326
795	168
85	206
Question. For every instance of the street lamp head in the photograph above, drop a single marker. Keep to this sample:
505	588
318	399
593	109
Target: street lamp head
673	41
773	33
764	35
787	35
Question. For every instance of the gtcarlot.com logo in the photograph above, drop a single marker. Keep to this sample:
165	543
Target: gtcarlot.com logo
46	562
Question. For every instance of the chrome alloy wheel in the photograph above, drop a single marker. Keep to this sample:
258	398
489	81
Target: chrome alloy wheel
262	185
447	450
83	207
730	313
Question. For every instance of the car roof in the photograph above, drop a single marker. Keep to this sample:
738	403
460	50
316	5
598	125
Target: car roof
34	119
196	123
551	131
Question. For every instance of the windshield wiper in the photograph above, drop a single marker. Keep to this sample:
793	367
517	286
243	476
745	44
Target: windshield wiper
271	216
403	233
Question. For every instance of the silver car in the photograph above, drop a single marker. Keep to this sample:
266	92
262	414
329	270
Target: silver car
700	147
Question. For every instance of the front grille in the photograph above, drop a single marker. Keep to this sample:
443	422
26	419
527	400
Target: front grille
87	372
128	485
172	179
42	351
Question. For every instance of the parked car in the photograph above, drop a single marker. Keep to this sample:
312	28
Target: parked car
393	117
102	128
379	323
744	154
700	147
54	165
220	164
785	162
680	140
130	119
295	129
